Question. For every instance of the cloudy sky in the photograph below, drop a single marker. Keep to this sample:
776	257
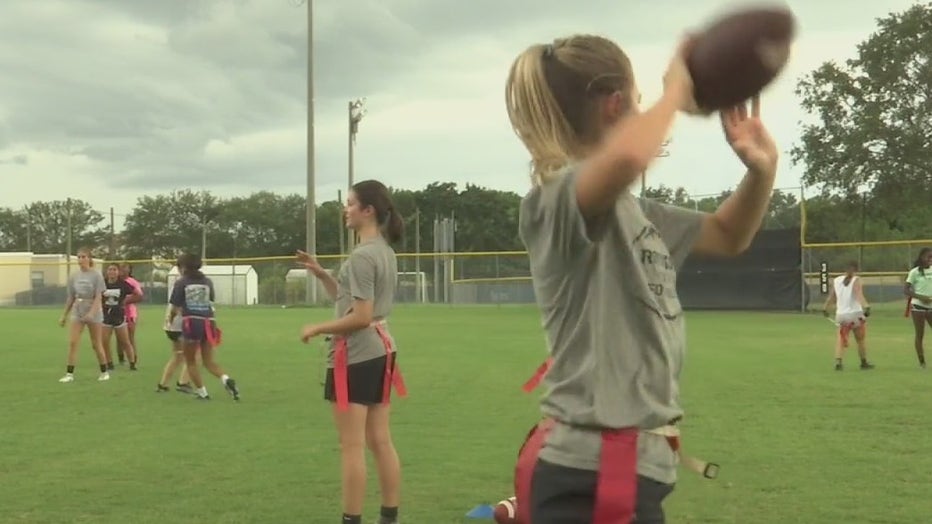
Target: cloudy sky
109	100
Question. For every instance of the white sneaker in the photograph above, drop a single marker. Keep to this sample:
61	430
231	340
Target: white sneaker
103	376
67	378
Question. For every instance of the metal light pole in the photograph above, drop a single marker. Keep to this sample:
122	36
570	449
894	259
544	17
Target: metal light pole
356	110
311	215
664	152
234	232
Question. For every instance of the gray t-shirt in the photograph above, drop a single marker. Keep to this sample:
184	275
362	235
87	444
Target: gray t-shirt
613	320
370	273
84	287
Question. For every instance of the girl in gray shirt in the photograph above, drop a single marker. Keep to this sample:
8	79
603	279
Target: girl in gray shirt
84	304
361	368
603	265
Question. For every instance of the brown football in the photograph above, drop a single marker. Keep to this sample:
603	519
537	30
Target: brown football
506	511
735	57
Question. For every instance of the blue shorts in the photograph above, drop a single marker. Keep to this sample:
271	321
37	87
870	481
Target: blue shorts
199	329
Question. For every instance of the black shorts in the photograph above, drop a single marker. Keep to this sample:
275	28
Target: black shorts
173	335
916	308
561	495
366	381
114	319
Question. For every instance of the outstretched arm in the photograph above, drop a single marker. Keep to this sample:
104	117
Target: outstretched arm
731	228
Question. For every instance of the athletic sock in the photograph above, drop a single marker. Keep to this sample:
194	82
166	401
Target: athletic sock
224	379
351	519
389	515
110	365
202	391
103	368
70	370
863	361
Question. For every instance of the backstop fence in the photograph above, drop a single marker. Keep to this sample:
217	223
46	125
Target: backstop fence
777	273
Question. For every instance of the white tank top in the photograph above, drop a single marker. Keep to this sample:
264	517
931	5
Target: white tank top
845	299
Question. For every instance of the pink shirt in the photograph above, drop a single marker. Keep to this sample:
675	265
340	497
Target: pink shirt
131	308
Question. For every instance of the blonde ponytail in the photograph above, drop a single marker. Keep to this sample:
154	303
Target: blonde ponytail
550	102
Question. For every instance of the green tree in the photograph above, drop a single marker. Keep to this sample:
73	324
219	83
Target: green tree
167	225
668	195
871	130
13	230
48	222
261	224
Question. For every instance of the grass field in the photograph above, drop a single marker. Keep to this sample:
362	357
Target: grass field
797	441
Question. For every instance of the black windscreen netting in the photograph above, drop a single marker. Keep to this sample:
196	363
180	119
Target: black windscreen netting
768	276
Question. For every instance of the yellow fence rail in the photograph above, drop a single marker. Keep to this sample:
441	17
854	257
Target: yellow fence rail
474	277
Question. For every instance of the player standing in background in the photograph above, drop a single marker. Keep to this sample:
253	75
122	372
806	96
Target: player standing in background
115	297
132	314
85	295
918	288
362	361
192	298
603	264
851	312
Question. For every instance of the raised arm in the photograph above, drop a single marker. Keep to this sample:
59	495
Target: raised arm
313	267
630	147
361	274
731	228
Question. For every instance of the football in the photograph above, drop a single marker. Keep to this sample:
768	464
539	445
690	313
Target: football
735	57
506	511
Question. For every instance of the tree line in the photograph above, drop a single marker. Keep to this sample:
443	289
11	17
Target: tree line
268	224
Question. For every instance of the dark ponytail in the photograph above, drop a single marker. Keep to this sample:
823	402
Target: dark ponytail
374	193
395	226
920	262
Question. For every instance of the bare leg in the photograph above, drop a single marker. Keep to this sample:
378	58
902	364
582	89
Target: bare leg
207	357
96	330
122	335
860	334
919	326
351	426
131	326
379	441
190	355
74	341
106	335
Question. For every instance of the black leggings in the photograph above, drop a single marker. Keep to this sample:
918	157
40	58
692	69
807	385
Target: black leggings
562	495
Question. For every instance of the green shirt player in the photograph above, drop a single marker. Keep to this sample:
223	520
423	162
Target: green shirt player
919	290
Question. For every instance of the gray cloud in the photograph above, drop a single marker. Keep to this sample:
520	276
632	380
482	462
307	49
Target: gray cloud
155	95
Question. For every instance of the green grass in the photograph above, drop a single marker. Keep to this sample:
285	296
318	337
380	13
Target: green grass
797	441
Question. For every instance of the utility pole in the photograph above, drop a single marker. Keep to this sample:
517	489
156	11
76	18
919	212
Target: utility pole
310	222
311	292
28	230
341	225
68	241
356	110
417	254
112	253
